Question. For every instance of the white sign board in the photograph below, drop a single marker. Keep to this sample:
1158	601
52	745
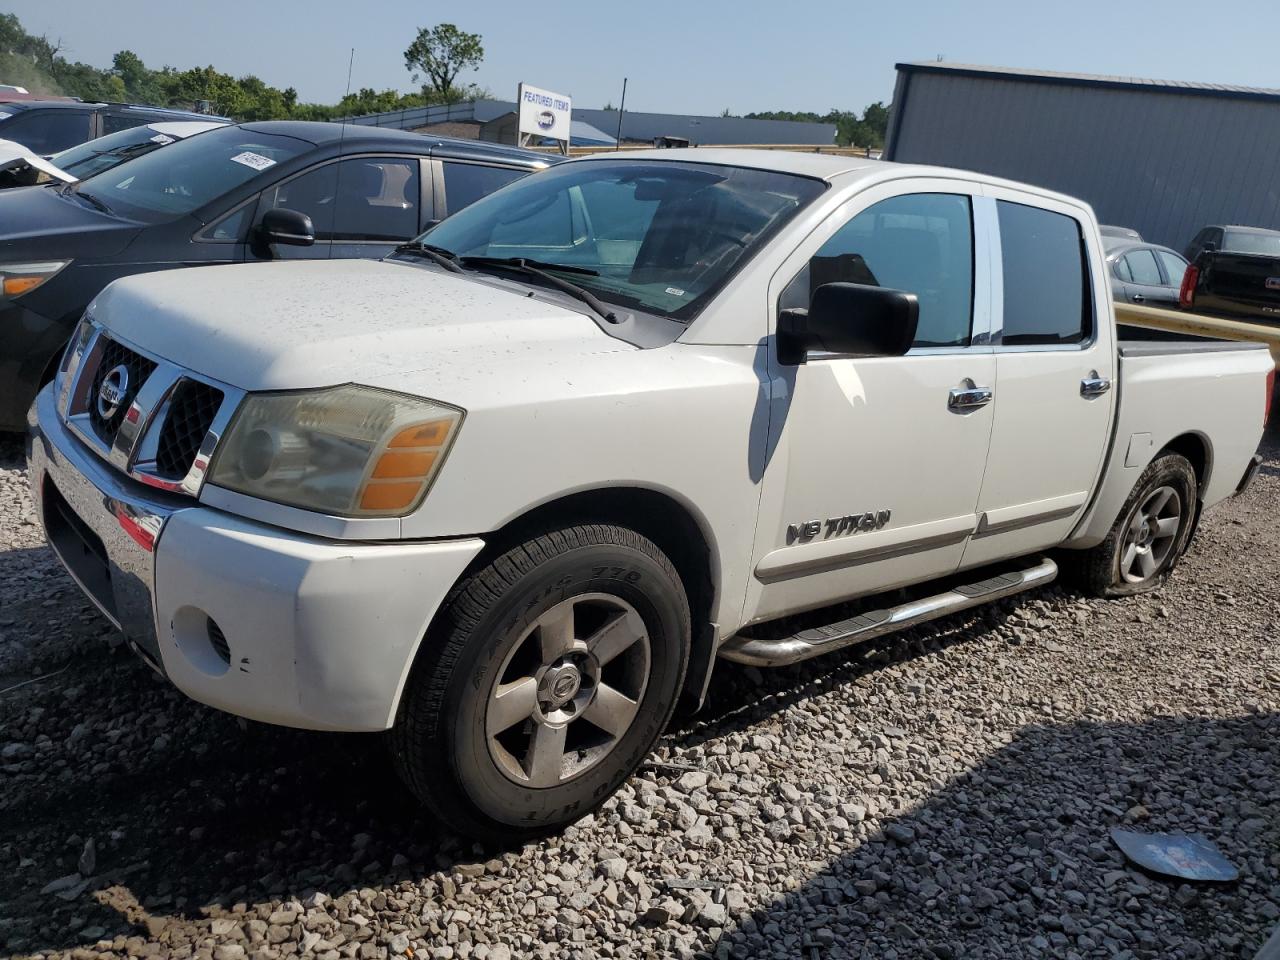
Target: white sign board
543	113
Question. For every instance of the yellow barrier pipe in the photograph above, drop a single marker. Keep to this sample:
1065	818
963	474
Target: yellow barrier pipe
1200	326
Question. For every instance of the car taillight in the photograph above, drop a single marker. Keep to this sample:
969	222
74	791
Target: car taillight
1187	295
1271	389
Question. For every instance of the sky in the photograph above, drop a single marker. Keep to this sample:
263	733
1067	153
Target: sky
694	56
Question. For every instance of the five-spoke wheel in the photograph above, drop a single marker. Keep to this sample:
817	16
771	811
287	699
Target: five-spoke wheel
1151	534
568	690
544	682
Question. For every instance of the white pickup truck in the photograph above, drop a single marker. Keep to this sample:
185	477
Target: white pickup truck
509	493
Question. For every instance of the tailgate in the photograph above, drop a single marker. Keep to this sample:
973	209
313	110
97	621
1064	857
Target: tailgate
1245	280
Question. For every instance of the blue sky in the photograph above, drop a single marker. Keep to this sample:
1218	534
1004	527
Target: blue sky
695	56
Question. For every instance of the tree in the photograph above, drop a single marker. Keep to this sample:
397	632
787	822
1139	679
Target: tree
442	53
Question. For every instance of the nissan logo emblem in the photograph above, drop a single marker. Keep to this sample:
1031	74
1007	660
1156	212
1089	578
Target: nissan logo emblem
112	392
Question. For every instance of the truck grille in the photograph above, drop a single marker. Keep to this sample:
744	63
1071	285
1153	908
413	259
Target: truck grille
191	412
137	368
177	410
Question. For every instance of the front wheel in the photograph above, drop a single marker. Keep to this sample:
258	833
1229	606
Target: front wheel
548	678
1150	534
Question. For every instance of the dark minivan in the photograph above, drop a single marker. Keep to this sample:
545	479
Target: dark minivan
249	192
49	126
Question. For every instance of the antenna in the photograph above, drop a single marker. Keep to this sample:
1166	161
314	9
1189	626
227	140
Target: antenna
342	137
617	143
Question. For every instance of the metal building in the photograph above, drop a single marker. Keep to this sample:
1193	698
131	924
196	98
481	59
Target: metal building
1163	157
466	119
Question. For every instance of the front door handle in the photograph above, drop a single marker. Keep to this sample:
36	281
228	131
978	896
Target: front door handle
1094	385
964	399
1138	298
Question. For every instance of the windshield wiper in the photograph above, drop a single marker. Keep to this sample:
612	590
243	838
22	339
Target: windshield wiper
91	198
438	255
539	268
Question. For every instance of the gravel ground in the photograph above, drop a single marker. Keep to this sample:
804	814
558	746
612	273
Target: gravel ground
946	793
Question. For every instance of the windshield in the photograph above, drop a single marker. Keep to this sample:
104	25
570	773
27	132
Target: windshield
661	237
1256	244
105	152
190	173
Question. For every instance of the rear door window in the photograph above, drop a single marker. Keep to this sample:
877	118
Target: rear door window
465	183
115	121
1174	267
47	131
1046	297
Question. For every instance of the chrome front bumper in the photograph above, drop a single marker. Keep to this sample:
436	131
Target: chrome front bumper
99	525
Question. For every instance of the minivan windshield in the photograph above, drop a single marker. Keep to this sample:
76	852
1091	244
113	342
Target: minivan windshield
183	177
110	151
656	236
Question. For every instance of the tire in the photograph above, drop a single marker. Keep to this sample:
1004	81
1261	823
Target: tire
1144	546
574	641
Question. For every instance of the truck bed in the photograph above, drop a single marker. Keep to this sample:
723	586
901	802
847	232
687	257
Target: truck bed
1207	394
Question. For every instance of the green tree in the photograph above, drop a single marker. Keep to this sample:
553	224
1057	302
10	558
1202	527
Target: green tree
442	53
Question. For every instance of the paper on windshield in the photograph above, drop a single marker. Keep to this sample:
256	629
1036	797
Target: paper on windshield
161	139
255	160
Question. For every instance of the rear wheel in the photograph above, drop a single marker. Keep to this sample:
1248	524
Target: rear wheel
1150	534
548	678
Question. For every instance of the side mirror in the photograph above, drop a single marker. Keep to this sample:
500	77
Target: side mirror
1210	247
288	227
851	319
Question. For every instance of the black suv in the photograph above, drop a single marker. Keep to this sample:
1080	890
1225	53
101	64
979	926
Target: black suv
241	193
49	126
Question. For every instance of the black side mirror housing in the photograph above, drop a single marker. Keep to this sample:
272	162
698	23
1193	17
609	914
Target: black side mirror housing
288	227
849	319
1210	247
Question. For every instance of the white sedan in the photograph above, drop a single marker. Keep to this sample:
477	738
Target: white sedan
20	167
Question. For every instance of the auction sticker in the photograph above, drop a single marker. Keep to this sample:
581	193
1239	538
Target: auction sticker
161	139
255	160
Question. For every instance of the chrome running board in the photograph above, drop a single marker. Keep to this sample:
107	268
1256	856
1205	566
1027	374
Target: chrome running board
816	641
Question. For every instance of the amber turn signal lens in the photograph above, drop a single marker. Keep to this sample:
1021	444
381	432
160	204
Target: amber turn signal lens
404	465
389	496
431	434
13	286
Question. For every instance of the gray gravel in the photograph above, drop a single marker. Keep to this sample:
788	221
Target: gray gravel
946	793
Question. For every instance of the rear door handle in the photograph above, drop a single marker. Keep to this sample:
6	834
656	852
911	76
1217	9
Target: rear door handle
963	399
1094	386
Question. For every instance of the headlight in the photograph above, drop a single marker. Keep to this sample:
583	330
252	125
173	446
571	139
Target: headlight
19	278
350	451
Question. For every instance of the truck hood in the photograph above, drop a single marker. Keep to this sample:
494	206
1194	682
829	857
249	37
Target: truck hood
280	326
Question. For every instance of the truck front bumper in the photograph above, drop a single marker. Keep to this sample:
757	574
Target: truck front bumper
246	617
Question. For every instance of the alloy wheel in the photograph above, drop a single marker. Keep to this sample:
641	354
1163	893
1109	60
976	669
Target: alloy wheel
1151	535
568	690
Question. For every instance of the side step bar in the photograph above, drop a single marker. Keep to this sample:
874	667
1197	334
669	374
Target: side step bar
816	641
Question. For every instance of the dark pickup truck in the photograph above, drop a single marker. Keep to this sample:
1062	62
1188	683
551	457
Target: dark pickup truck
1234	271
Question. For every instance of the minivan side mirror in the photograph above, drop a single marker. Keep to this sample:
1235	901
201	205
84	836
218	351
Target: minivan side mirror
287	226
1210	247
850	319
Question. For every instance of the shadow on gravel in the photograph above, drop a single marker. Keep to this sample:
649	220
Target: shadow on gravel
1014	858
206	810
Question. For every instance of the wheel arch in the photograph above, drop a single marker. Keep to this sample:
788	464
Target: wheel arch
1198	450
678	528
